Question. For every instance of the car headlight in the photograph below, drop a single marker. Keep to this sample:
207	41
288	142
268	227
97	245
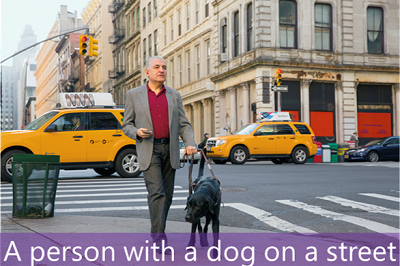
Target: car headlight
361	150
220	142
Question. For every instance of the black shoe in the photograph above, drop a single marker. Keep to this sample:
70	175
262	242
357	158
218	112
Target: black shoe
167	251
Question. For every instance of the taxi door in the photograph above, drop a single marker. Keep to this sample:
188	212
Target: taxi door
67	138
285	139
263	140
104	134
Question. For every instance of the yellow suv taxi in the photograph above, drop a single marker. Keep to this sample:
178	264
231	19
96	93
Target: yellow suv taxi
85	137
278	141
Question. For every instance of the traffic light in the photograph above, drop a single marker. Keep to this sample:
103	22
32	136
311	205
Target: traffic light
278	77
93	48
83	44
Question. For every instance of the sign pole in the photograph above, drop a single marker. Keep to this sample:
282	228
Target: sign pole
279	101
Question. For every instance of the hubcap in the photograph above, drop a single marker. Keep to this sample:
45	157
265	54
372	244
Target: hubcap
239	155
300	155
130	163
9	165
373	157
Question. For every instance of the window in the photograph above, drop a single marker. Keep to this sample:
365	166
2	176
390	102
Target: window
208	60
155	8
69	122
323	27
138	17
149	10
249	22
303	129
144	51
236	33
179	23
129	61
172	73
172	29
207	12
375	30
129	25
32	67
149	45
187	17
224	36
165	33
103	121
392	141
133	21
180	70
197	11
155	42
266	130
284	129
287	24
188	65
197	62
144	17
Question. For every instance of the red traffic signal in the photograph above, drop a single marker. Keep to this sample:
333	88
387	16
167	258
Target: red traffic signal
83	39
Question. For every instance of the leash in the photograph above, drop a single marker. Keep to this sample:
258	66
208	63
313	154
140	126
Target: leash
192	186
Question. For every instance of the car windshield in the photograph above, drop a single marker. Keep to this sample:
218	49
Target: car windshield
247	129
375	142
40	121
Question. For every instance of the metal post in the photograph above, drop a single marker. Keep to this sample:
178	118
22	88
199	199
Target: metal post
279	101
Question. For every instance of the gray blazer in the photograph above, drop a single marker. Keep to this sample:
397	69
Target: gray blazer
137	115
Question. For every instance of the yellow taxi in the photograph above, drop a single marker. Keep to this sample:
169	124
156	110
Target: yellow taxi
279	139
85	136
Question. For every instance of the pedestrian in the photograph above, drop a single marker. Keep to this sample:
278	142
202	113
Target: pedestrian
354	138
203	146
155	118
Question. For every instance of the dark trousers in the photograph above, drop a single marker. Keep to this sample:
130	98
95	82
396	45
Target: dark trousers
160	180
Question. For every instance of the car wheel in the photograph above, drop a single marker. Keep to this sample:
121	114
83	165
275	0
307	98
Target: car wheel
277	161
104	171
299	155
127	164
6	164
373	156
220	161
238	155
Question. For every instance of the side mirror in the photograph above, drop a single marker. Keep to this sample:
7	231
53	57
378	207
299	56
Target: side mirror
258	133
384	144
51	128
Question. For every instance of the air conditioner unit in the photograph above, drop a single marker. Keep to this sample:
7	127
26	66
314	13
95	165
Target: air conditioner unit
224	57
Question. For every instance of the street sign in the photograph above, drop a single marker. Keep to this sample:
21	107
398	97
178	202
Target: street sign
283	88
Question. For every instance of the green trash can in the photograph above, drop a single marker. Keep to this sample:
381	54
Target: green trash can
342	148
334	152
35	179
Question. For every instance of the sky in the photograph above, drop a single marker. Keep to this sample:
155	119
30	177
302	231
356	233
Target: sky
41	14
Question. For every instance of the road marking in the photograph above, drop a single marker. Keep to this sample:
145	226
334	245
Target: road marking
102	194
359	205
128	208
269	219
380	196
371	225
93	190
113	185
64	202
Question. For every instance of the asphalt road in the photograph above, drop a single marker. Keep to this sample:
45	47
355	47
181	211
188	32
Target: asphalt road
341	197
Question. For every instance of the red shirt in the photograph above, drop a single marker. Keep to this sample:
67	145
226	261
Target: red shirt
159	112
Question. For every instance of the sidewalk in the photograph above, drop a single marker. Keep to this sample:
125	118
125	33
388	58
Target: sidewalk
97	224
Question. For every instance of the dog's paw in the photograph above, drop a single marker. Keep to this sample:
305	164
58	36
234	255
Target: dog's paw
191	243
203	241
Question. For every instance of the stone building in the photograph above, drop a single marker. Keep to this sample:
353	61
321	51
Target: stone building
339	59
96	15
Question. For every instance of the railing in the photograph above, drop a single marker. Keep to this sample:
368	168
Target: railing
115	6
117	36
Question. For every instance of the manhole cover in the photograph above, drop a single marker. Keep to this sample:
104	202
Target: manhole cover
233	189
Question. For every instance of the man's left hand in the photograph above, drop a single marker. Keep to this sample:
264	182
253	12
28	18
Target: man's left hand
189	150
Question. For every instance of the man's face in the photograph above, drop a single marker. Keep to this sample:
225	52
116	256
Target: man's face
207	136
75	120
157	71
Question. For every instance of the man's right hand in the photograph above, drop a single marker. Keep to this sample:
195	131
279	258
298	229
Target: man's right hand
141	134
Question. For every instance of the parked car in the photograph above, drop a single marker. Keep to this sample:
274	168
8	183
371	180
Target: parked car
376	150
97	143
278	141
196	158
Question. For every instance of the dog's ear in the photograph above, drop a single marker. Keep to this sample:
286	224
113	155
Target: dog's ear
187	202
211	204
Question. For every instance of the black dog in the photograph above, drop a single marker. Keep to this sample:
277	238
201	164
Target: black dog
205	201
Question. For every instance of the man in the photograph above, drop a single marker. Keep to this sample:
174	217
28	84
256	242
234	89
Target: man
354	138
76	123
155	118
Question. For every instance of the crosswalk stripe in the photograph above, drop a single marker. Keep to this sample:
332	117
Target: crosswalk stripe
360	205
371	225
269	219
93	190
127	208
379	196
113	185
67	182
102	194
64	202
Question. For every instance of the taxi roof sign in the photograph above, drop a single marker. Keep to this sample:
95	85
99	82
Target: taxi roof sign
85	99
274	116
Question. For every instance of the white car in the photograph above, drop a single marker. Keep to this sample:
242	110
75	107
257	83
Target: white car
197	156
